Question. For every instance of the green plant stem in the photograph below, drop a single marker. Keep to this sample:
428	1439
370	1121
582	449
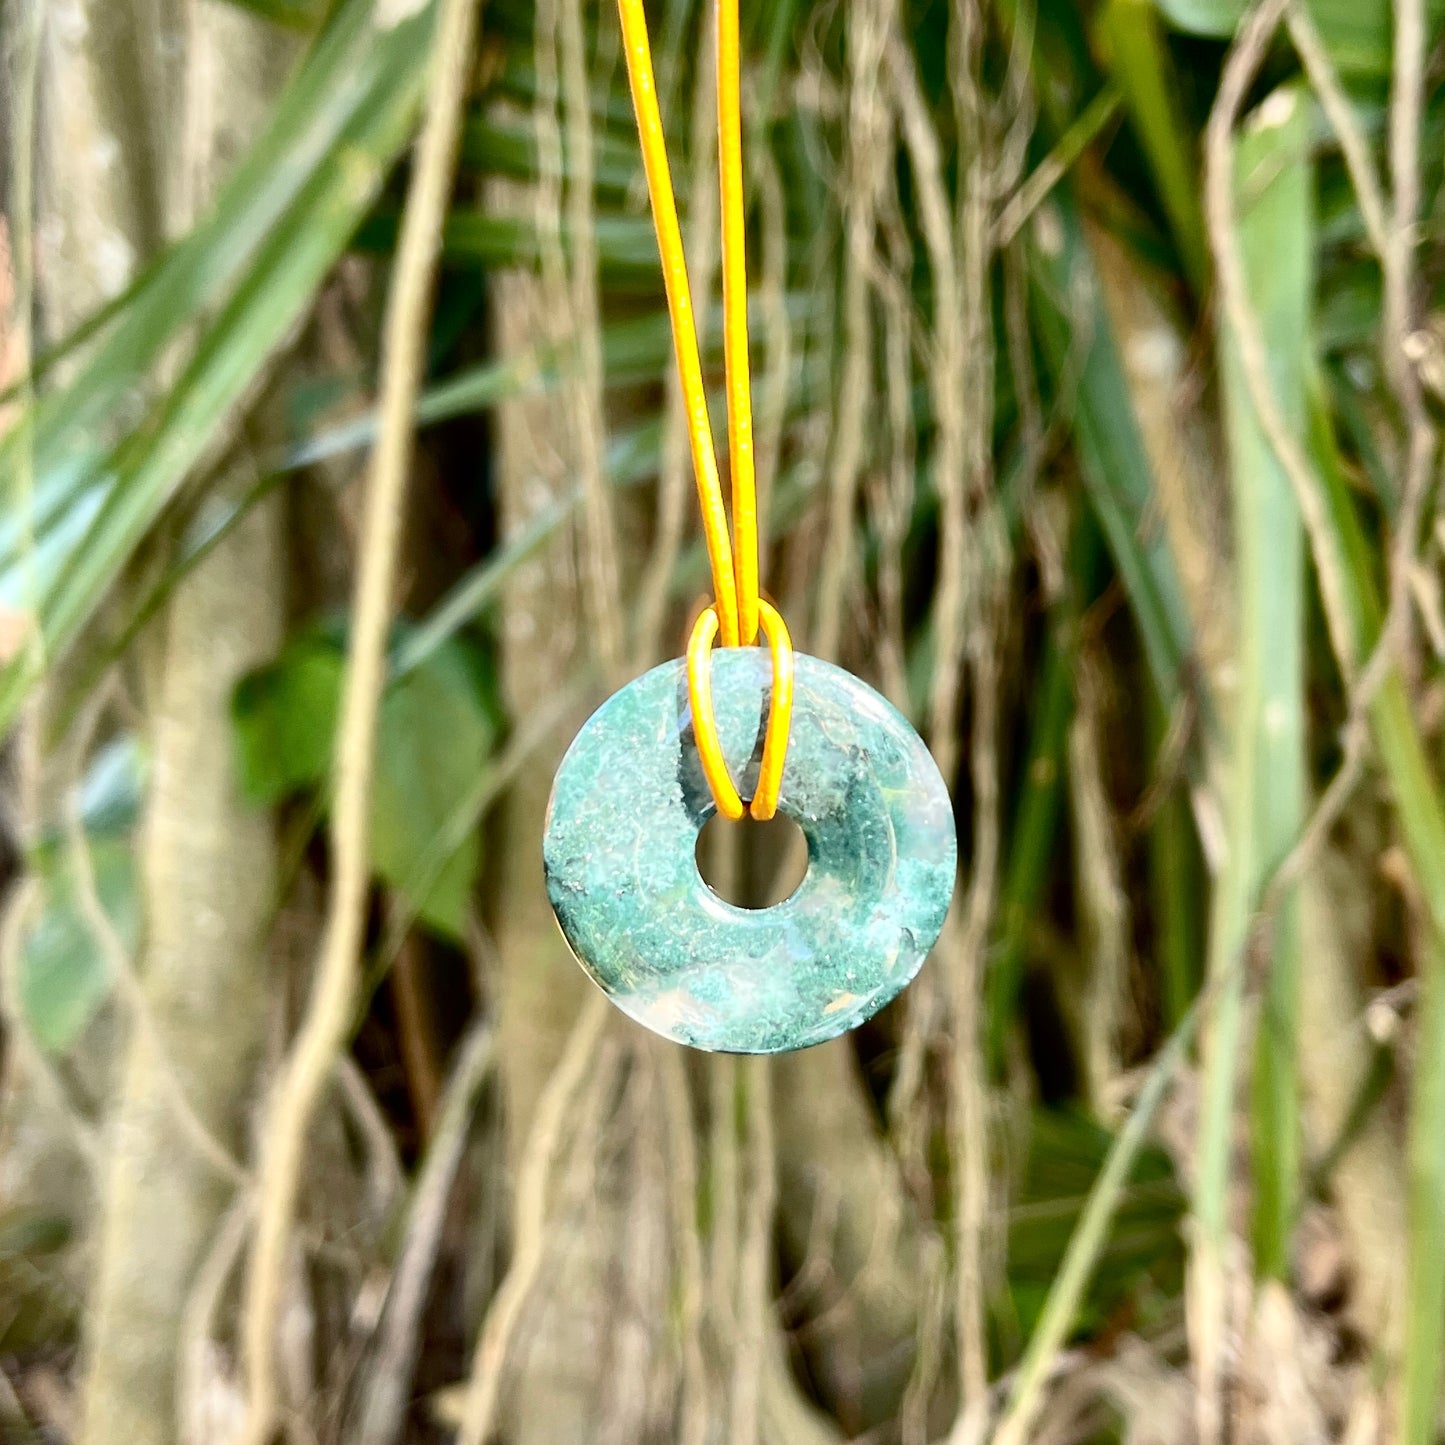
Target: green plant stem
1032	842
1057	164
1140	66
1079	346
1088	1239
1176	879
1416	795
1033	836
1267	802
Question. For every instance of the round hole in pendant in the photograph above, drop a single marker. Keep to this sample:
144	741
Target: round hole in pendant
751	864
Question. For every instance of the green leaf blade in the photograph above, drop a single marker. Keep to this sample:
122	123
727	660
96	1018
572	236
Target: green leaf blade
1273	184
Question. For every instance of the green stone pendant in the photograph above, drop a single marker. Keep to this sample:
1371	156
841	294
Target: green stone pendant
626	808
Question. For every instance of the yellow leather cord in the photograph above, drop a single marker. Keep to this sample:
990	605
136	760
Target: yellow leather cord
735	318
679	306
704	724
737	613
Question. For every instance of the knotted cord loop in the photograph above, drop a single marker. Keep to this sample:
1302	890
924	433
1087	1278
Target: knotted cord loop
737	612
704	723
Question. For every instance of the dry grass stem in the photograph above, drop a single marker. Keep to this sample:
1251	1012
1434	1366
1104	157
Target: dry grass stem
778	343
209	1408
980	590
695	1388
530	1213
122	971
755	1273
1103	901
726	1234
1242	65
600	534
1339	110
389	1372
19	916
868	152
1407	93
329	1012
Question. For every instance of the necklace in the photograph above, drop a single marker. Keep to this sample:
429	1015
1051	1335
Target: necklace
798	734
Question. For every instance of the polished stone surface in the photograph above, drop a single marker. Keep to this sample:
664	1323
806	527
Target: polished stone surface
619	851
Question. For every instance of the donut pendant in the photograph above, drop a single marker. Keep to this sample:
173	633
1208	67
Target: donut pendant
620	857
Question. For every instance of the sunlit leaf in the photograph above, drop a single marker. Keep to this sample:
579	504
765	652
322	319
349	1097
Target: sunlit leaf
64	976
1066	1154
40	1304
1356	32
299	14
438	725
1079	344
114	785
284	719
626	245
1267	725
436	731
252	268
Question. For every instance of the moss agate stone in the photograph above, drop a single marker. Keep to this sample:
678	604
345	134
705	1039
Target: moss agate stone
619	852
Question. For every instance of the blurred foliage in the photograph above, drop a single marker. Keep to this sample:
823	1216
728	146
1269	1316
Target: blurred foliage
1123	90
64	975
1356	32
439	722
1141	1268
